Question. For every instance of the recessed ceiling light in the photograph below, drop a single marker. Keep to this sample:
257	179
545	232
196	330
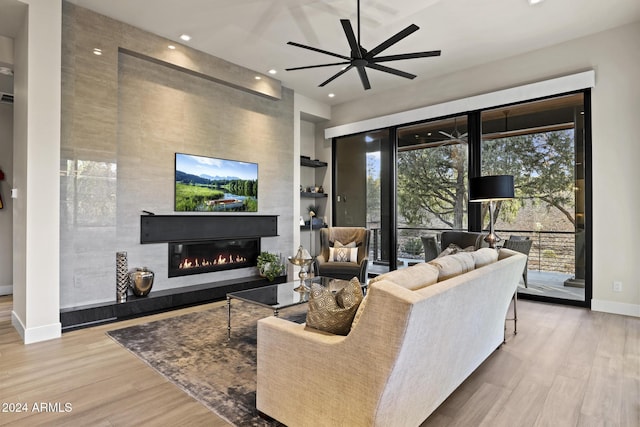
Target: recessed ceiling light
185	37
172	47
331	95
258	78
272	71
532	2
97	51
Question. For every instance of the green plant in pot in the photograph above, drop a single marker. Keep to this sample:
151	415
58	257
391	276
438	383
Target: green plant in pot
269	265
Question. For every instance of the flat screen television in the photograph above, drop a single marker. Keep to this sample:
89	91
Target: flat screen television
209	184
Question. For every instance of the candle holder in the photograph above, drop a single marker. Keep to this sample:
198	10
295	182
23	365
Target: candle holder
303	260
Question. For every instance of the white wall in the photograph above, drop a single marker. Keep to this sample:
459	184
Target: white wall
615	57
36	264
307	114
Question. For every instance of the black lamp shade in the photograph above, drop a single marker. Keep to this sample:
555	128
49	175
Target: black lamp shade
491	187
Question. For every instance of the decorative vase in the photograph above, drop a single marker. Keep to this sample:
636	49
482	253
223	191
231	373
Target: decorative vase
141	281
122	278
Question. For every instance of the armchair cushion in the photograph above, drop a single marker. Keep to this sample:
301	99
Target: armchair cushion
331	312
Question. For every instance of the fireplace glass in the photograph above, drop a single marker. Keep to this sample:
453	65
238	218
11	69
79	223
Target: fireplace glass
215	255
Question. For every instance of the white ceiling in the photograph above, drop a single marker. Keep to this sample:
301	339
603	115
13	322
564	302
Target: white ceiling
254	33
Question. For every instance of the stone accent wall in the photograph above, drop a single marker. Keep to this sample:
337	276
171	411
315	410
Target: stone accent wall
125	114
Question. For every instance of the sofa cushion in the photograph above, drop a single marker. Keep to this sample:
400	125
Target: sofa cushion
454	249
331	312
414	277
343	254
485	256
453	265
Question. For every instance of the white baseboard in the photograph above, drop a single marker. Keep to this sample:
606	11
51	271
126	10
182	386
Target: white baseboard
613	307
6	290
37	334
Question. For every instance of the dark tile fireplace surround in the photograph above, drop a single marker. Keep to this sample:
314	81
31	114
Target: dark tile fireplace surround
196	244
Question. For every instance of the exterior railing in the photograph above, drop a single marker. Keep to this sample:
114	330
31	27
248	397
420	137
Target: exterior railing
550	251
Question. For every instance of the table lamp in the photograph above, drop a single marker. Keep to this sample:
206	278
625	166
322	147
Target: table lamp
489	189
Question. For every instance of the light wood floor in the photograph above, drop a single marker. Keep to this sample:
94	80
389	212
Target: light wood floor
566	367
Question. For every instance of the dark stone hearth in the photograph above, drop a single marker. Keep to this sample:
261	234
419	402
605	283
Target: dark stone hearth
157	301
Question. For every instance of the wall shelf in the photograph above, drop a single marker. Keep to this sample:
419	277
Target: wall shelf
313	195
306	161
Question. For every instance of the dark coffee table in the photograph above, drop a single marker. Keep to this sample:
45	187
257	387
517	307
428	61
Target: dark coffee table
277	297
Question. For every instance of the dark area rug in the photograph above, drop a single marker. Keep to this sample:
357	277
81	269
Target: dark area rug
193	352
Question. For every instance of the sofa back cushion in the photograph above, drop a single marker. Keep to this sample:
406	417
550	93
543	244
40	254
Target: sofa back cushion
453	265
485	256
414	277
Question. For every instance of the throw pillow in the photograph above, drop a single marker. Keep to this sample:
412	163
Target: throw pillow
454	249
337	244
413	278
331	312
453	265
484	256
343	254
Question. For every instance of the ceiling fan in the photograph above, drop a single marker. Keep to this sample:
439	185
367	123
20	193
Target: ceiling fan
455	135
361	59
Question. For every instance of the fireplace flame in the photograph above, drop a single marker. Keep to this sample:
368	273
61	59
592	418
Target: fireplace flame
220	260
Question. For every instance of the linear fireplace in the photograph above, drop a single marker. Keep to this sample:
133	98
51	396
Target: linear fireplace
214	255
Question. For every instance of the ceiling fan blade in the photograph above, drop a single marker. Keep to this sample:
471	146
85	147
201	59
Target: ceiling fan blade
392	40
351	38
315	49
391	71
316	66
335	76
364	78
405	56
448	135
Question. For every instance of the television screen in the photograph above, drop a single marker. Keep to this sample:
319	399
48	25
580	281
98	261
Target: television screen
207	184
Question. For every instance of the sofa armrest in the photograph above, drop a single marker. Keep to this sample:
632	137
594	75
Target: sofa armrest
300	369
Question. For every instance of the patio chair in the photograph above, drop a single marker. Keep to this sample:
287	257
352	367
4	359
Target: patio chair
462	239
522	245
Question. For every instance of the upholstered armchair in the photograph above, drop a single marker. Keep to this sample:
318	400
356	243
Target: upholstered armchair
332	262
462	239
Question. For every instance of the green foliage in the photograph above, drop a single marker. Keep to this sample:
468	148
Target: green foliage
373	191
543	168
190	197
413	246
251	205
432	182
270	265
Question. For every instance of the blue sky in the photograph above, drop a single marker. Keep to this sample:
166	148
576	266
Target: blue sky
199	165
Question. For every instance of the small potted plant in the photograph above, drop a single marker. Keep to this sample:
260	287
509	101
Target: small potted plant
270	265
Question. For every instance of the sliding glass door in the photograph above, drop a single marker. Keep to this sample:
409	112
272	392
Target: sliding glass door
363	177
409	183
431	185
542	144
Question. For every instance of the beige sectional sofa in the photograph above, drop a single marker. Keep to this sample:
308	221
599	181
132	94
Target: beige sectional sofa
418	334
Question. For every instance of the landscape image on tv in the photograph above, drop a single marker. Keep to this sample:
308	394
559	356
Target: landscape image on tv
207	184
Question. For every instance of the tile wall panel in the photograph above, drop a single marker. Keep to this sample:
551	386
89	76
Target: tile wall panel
125	115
